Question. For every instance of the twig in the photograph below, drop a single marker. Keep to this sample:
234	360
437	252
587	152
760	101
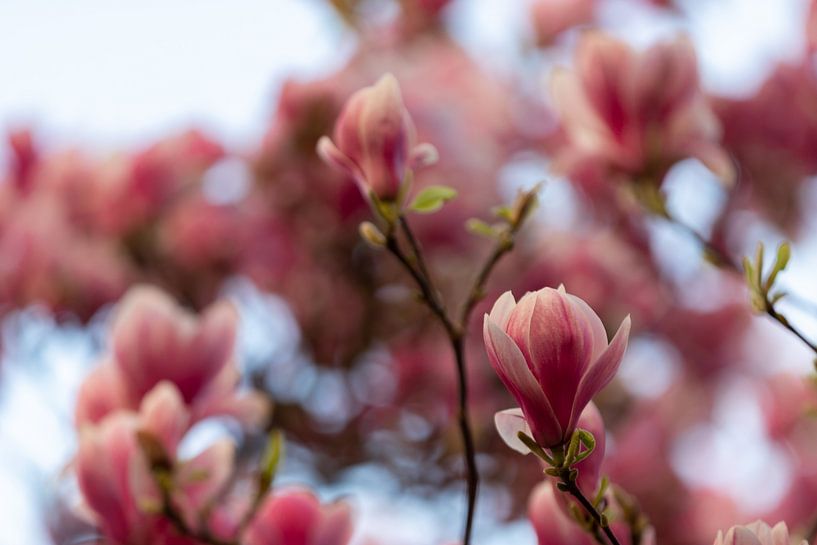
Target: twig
569	485
724	261
456	338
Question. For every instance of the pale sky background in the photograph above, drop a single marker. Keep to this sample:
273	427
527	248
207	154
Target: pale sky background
107	74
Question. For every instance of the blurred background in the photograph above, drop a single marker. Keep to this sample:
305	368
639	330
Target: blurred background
172	143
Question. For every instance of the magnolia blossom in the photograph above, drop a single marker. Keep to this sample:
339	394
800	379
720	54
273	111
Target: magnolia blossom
297	517
375	140
115	479
636	113
551	352
756	533
155	340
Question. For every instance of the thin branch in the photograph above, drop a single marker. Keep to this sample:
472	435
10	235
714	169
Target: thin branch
415	264
724	261
456	339
569	486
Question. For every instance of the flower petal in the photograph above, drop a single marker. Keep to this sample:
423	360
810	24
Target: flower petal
502	308
602	371
509	423
509	363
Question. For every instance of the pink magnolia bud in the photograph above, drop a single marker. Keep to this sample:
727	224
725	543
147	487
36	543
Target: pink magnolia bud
374	140
756	533
551	352
297	517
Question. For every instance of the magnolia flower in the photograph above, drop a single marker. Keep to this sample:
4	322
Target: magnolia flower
551	352
374	140
297	517
114	473
636	114
756	533
155	340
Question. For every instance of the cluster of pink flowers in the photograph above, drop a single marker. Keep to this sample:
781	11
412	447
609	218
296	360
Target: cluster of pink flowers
162	228
167	371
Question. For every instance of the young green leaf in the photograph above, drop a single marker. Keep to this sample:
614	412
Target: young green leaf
273	455
479	227
432	198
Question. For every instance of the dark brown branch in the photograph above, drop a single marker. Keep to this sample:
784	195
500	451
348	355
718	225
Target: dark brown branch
568	485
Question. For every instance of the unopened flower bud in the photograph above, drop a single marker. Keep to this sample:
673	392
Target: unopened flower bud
374	140
372	235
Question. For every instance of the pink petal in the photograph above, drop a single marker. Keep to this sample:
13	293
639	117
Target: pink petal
560	348
387	135
101	393
604	65
164	416
335	158
602	371
513	371
599	334
502	308
509	423
103	462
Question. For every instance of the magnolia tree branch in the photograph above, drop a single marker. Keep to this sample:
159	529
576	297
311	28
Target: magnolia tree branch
724	261
566	484
415	265
456	338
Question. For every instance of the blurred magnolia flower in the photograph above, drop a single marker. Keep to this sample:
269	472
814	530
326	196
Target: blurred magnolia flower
155	340
551	352
297	517
756	533
636	113
114	467
552	17
375	140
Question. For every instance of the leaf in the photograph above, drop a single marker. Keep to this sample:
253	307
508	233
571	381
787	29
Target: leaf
479	227
432	198
504	213
749	269
783	255
759	265
781	260
270	461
